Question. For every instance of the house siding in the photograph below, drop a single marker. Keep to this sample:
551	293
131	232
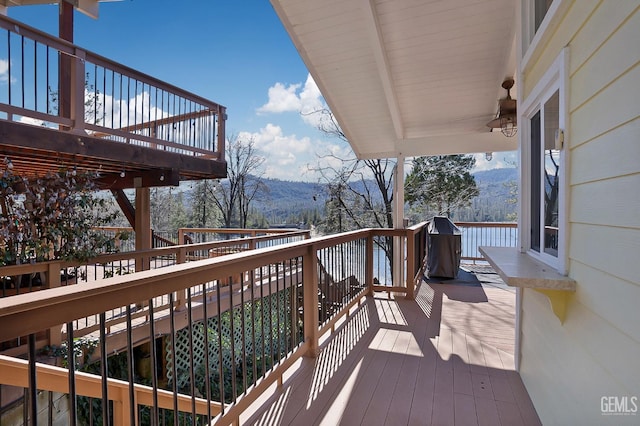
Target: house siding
568	367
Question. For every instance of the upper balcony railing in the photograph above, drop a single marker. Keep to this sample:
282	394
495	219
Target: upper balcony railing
47	81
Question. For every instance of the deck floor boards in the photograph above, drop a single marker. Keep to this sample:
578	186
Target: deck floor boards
446	358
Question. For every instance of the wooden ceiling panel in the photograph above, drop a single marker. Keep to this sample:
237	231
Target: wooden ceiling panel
400	71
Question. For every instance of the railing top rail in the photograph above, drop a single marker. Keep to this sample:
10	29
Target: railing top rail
70	48
35	34
241	230
27	268
418	226
488	224
46	308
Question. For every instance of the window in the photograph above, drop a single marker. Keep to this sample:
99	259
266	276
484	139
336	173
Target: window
539	20
545	178
544	217
540	8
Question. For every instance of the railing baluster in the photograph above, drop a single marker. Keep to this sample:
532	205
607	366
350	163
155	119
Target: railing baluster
9	74
207	369
272	355
35	76
130	369
232	339
243	335
154	358
94	103
220	357
262	321
71	366
104	370
22	69
278	312
254	349
50	408
192	373
174	356
33	388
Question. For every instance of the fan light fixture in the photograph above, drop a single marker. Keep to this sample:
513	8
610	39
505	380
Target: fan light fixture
507	119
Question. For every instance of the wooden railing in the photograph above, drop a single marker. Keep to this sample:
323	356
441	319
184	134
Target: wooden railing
270	304
53	274
108	100
475	234
201	235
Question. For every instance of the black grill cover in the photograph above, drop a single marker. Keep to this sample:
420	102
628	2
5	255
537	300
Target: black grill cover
444	248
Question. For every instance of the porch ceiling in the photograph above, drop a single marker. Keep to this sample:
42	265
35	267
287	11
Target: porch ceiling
408	77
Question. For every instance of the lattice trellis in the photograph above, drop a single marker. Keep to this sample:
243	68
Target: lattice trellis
272	319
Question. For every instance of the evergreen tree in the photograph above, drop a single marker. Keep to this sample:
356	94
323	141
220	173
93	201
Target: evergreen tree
441	183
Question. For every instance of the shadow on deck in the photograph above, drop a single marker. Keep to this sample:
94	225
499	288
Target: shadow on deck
445	358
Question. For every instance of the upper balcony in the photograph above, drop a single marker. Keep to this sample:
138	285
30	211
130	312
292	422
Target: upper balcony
64	107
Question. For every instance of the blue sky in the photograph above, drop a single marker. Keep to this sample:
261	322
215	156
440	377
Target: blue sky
235	53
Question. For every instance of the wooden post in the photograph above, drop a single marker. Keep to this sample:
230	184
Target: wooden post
121	409
369	265
410	237
65	32
53	281
310	304
181	295
222	117
143	226
76	106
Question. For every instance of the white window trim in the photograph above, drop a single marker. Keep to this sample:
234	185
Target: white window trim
533	44
556	78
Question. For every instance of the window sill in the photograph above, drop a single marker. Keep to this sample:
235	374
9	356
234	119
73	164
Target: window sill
521	270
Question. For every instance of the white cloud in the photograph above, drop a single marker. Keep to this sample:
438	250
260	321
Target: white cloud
281	99
34	122
303	99
289	157
4	70
500	160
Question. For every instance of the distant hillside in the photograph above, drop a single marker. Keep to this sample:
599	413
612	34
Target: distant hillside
287	198
495	202
289	201
494	182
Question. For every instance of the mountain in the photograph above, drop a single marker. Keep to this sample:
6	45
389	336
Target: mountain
496	201
495	182
293	202
286	199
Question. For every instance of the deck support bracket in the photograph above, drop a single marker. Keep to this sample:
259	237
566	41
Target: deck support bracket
558	300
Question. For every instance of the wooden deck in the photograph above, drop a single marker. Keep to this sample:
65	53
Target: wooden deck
444	359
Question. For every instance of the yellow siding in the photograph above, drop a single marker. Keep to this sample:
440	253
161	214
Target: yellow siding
596	73
578	11
608	156
568	367
614	105
600	202
563	375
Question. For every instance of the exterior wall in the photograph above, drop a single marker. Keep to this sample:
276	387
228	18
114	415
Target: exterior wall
568	368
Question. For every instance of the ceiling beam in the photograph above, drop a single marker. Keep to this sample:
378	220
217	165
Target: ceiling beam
141	179
465	143
384	71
